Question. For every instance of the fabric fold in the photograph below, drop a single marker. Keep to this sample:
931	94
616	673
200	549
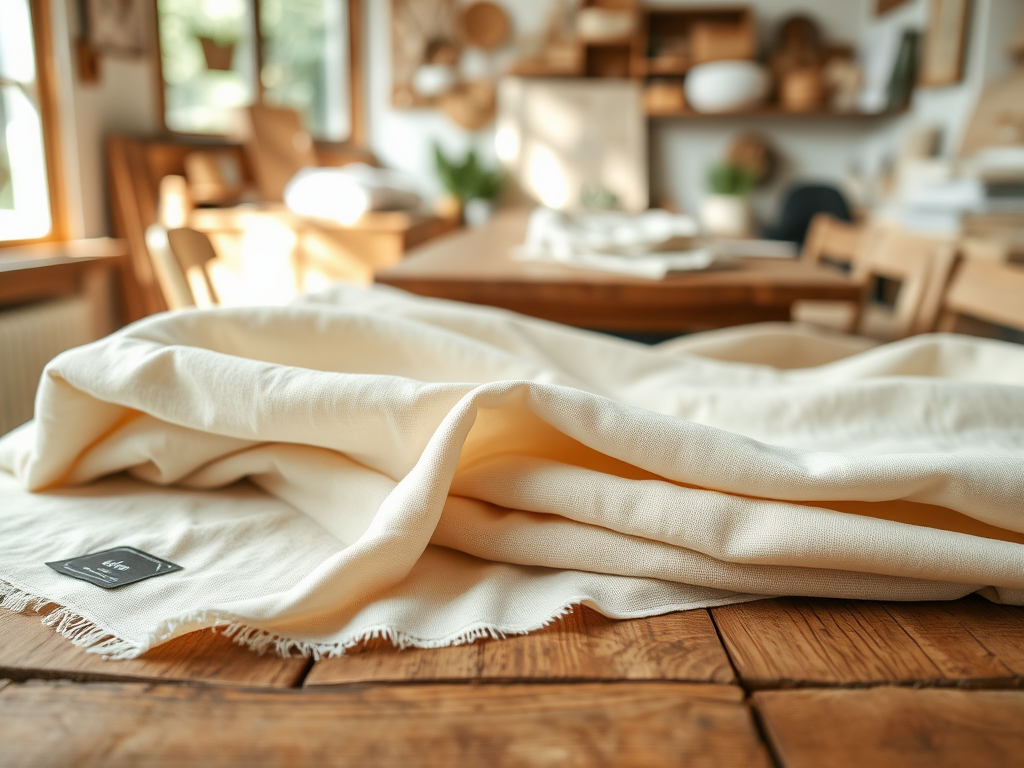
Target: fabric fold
369	463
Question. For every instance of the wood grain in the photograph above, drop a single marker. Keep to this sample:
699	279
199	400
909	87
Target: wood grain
29	649
114	725
969	639
795	641
894	727
800	641
581	646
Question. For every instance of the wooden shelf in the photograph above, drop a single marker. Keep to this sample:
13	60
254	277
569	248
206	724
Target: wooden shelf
770	112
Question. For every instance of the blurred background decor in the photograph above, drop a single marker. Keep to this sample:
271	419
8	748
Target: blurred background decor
116	26
725	212
471	188
942	62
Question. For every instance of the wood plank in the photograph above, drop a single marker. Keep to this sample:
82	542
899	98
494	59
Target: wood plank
583	645
969	640
794	641
897	727
379	661
649	724
587	645
29	649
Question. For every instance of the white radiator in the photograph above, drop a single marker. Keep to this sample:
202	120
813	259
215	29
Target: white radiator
30	337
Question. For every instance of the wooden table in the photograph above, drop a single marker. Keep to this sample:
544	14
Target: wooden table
318	249
477	266
794	683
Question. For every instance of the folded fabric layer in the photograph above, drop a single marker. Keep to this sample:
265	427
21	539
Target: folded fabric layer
635	244
369	463
346	193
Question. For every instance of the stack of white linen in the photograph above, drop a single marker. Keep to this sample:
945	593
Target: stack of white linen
368	463
613	241
344	194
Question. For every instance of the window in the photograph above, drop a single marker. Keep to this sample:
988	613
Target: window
26	211
217	55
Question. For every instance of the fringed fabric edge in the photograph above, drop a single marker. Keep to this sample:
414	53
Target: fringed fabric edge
84	633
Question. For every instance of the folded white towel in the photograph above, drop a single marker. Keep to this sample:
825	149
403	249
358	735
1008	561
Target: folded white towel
433	472
346	193
611	241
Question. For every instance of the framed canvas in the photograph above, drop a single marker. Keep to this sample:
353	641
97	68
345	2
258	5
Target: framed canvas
562	139
116	26
945	43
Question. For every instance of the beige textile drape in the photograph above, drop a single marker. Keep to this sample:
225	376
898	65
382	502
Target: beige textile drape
369	463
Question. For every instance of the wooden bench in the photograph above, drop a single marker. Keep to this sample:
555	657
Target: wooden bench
788	682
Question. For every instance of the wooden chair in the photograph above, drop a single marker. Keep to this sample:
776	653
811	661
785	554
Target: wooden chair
278	147
985	291
172	281
921	265
193	251
832	242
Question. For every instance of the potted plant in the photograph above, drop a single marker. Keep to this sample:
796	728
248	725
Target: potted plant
471	188
726	211
218	42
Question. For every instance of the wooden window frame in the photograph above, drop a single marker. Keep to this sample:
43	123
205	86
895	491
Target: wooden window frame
357	135
46	78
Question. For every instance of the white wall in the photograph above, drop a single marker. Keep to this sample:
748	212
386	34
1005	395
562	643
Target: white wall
123	100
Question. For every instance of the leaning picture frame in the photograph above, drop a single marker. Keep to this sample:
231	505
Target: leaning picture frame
116	26
942	62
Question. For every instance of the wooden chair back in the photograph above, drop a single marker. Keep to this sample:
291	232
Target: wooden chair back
138	166
832	240
172	281
193	252
278	147
985	290
985	249
922	266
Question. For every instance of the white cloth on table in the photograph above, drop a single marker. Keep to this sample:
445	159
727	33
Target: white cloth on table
370	463
611	241
345	193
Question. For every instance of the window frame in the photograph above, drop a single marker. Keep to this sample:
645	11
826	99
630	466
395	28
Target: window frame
357	134
46	79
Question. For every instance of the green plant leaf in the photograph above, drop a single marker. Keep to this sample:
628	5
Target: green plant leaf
468	178
731	179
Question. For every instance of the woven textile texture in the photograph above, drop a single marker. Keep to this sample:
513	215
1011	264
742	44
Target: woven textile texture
368	463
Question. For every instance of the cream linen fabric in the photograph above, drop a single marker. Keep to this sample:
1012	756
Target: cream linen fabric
366	462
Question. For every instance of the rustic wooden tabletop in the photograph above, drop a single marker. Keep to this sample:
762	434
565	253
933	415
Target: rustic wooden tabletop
788	682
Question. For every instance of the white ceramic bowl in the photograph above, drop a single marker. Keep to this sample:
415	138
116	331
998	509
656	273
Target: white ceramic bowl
726	86
431	80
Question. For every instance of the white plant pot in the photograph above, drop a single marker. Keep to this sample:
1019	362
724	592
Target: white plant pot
477	212
726	215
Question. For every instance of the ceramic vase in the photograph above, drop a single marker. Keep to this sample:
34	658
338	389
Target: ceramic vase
726	215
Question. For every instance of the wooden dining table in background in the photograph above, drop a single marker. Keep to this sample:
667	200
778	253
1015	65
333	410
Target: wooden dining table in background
478	266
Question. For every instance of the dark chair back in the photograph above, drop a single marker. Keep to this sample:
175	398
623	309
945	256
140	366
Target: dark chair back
803	203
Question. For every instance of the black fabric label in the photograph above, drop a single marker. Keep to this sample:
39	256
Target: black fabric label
114	567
